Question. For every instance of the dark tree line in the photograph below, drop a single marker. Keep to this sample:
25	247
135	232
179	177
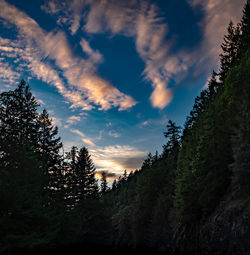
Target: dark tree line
40	190
178	190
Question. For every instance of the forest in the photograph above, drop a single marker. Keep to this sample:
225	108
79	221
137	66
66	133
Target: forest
193	198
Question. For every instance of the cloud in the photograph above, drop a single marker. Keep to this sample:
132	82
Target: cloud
40	49
139	20
114	134
109	175
114	159
94	55
72	18
117	158
217	15
145	123
29	59
99	137
78	132
56	121
88	141
142	21
85	140
73	119
161	96
41	102
7	74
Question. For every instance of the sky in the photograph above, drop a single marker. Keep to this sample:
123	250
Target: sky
111	73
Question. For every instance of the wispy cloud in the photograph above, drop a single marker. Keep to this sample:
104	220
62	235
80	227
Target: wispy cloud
56	121
88	141
78	132
139	20
109	175
100	135
73	119
41	102
84	138
145	123
85	88
49	56
114	134
117	158
142	21
7	74
218	14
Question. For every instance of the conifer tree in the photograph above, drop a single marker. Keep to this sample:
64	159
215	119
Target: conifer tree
148	161
25	221
231	48
173	136
114	185
104	184
18	115
213	85
245	29
81	182
49	146
85	169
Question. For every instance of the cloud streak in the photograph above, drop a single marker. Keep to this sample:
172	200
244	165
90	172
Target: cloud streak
49	56
84	139
85	88
78	132
117	158
142	21
218	14
88	141
139	20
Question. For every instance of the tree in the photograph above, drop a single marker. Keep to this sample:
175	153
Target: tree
85	169
114	185
173	136
104	184
18	120
81	182
213	85
148	161
245	29
25	220
49	146
230	55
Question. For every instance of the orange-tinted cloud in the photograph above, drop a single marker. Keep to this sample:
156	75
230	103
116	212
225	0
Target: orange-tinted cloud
88	141
142	21
84	88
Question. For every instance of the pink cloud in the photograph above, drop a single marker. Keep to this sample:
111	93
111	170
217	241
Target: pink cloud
80	73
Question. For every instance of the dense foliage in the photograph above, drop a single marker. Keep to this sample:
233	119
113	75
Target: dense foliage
48	199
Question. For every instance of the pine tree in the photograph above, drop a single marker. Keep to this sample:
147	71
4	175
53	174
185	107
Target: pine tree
49	146
18	115
213	85
104	183
81	182
86	173
148	161
245	29
70	176
173	136
231	48
25	220
114	185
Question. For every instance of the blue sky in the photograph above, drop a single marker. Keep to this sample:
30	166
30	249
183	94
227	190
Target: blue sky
111	73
